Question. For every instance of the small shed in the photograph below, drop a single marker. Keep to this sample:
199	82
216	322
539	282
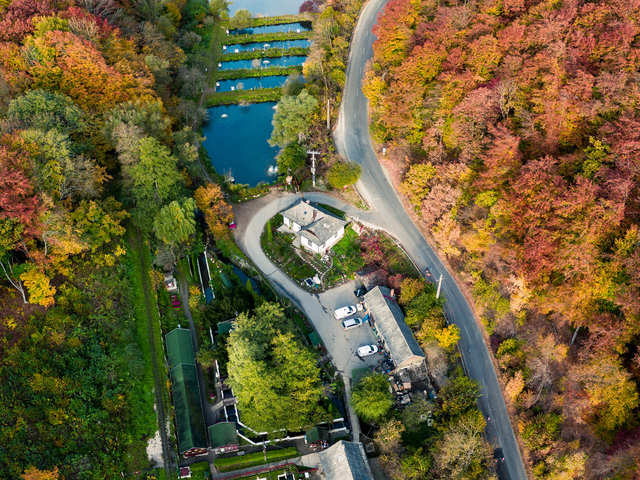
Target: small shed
170	283
316	433
315	339
224	436
226	326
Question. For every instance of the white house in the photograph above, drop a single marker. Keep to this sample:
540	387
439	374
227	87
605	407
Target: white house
318	229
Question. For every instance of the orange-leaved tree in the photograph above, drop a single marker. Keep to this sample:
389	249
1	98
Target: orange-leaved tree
217	212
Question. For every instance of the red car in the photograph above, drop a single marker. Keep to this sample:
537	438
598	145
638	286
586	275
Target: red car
175	302
232	226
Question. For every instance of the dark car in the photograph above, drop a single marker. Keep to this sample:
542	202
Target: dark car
360	292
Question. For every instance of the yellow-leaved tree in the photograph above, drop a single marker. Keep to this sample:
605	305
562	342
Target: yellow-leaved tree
37	283
217	212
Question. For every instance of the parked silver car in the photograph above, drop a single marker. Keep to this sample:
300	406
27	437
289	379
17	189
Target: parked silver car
351	323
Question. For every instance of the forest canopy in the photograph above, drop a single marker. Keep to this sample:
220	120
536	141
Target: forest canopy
512	128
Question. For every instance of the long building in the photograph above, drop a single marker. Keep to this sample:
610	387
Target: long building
388	320
187	403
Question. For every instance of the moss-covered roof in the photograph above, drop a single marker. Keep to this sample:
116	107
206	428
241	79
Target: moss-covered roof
223	434
179	347
188	408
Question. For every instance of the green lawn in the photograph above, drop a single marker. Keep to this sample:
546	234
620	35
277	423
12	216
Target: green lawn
270	475
254	459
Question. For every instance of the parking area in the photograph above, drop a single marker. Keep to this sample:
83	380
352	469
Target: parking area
342	344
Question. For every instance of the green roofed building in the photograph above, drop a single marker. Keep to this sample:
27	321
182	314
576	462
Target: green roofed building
315	339
179	347
188	407
186	392
315	434
226	326
223	436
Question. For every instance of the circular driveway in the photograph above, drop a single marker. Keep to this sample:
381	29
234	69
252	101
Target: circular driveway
340	344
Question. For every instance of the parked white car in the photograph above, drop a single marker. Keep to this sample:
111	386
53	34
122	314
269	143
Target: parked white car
351	323
367	350
345	312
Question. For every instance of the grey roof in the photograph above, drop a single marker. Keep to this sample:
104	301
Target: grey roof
317	228
389	320
345	461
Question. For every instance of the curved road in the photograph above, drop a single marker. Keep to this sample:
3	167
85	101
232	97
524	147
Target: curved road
353	141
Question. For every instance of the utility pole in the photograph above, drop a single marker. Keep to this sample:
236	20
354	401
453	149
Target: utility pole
439	285
313	154
328	110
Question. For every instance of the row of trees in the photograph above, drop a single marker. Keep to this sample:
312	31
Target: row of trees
96	115
512	131
309	102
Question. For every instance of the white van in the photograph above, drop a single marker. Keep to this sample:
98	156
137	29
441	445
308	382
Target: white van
345	312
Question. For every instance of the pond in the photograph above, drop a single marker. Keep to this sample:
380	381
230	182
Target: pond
250	83
248	47
269	8
284	27
264	63
238	142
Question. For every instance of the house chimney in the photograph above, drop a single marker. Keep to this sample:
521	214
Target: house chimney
393	293
315	212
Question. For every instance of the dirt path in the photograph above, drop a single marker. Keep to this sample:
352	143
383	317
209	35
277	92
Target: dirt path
158	380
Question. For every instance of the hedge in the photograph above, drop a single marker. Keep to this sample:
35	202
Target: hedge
235	463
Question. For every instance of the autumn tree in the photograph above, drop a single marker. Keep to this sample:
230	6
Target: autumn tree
463	452
32	473
38	286
417	181
217	212
611	391
342	174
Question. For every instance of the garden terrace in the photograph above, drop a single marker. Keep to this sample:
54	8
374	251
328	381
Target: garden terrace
268	53
257	72
240	96
265	37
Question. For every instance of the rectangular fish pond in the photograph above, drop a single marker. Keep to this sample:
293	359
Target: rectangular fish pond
273	81
237	142
266	7
262	63
249	47
285	27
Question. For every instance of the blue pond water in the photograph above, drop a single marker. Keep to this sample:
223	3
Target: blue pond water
251	83
247	47
262	7
265	62
239	142
286	27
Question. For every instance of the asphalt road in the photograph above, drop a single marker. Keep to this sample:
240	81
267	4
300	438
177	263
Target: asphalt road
353	141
